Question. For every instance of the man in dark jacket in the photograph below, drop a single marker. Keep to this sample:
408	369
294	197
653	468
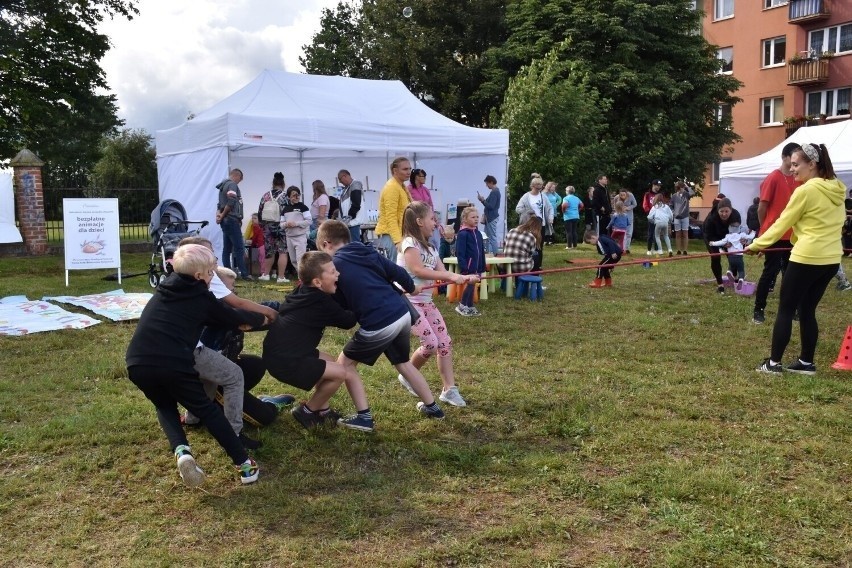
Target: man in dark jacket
601	203
229	216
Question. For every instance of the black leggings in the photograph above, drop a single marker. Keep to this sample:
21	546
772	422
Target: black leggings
715	263
802	287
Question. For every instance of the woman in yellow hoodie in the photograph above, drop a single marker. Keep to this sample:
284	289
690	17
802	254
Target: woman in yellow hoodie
815	212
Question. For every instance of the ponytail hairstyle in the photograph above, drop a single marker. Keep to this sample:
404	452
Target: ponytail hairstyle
278	180
414	211
818	153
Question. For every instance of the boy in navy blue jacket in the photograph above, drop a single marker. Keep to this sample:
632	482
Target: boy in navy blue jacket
470	253
367	286
611	254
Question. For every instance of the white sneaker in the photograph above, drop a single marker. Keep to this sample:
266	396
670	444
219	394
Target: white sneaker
192	475
407	386
463	311
452	396
283	279
263	277
648	253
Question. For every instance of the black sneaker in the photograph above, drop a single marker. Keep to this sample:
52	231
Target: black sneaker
767	367
434	412
720	289
801	368
306	418
249	443
759	317
357	422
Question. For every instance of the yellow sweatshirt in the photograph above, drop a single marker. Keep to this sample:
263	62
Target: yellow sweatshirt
816	214
393	200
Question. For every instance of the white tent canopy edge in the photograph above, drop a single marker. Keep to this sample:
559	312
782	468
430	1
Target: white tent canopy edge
309	127
740	180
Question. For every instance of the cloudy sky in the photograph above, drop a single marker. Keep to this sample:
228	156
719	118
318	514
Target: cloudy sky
181	56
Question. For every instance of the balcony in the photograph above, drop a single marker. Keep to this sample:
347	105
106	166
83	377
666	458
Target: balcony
807	71
806	11
793	123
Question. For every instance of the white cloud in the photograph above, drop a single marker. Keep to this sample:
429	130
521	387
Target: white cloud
183	56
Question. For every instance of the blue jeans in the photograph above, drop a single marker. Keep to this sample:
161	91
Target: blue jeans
232	243
491	233
386	243
355	233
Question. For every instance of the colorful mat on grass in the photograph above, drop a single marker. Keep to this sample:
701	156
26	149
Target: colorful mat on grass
115	305
20	316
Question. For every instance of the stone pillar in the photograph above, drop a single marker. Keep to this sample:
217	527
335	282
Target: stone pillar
29	199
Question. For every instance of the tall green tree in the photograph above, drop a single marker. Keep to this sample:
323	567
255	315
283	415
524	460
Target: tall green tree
128	160
437	52
645	56
51	82
558	124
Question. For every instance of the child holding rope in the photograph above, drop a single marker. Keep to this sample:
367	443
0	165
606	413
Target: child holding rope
611	254
420	260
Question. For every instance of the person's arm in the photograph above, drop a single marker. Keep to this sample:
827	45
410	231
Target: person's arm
322	210
493	200
414	264
397	205
221	314
355	194
791	214
762	207
306	219
235	301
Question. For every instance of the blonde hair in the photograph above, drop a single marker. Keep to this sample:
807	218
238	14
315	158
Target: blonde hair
467	212
193	258
619	207
414	211
226	274
333	232
196	240
397	161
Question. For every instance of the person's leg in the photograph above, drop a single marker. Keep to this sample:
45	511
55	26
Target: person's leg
233	235
386	243
253	370
658	232
355	233
652	231
467	295
737	266
715	264
227	246
301	247
354	384
215	368
793	288
808	327
773	261
667	239
149	381
491	233
628	235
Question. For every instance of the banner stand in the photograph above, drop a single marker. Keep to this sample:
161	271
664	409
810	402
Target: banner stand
91	235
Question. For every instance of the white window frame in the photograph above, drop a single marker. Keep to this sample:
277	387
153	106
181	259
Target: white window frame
720	55
773	3
826	44
773	43
830	95
777	113
719	9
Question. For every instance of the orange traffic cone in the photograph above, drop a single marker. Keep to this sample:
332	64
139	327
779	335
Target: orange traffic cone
844	358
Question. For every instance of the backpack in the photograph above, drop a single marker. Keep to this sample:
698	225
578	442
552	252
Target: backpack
271	211
333	207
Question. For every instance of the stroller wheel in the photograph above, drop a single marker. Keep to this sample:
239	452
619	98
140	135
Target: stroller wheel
153	279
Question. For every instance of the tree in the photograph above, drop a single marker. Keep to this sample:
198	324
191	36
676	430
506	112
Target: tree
436	53
128	160
645	56
50	76
557	124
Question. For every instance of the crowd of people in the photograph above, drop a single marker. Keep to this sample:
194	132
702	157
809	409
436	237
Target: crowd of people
196	359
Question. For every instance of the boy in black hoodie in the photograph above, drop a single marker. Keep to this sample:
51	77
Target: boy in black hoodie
290	347
368	286
611	254
160	358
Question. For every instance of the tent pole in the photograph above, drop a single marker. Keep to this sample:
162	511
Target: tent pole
301	171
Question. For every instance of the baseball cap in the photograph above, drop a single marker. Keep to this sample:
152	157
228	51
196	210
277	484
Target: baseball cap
657	182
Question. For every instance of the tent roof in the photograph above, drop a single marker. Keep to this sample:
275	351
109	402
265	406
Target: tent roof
837	137
305	112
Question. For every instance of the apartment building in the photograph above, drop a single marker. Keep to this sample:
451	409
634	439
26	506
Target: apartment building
794	58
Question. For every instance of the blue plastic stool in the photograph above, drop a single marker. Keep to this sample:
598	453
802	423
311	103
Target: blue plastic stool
529	285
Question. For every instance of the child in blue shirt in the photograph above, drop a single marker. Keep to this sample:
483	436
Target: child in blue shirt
618	224
611	255
470	252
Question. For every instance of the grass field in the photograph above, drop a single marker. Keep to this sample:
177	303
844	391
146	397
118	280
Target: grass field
613	427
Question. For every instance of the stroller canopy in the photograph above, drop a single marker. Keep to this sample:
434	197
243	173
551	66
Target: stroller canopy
167	211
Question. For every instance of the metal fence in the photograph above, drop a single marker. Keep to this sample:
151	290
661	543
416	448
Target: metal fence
134	210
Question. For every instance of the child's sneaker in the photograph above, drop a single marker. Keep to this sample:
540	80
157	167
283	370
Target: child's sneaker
282	279
843	286
433	412
452	396
263	277
279	401
407	386
463	311
357	422
305	417
801	368
472	311
249	471
730	276
772	368
192	475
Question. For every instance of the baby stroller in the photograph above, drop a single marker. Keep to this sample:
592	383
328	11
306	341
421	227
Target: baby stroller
168	226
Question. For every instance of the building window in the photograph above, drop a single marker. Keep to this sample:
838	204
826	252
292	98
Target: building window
724	9
774	3
717	169
723	113
772	111
774	51
726	54
837	39
834	102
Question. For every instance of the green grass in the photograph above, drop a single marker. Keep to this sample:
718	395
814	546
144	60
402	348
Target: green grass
615	427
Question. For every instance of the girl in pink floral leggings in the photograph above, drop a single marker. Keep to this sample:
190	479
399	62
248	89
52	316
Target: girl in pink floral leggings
421	260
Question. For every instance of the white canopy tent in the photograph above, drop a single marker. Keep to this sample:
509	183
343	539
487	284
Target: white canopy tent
740	179
9	233
309	127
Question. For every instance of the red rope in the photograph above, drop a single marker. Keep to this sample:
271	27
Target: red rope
595	266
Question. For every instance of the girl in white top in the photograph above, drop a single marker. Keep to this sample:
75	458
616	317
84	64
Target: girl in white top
421	260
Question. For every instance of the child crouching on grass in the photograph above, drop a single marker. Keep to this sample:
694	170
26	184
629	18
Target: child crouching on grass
290	347
160	358
611	255
366	286
420	259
